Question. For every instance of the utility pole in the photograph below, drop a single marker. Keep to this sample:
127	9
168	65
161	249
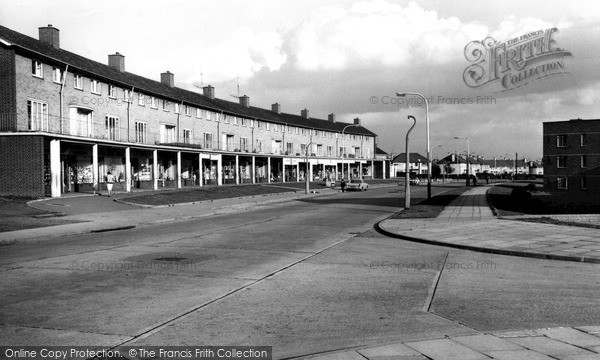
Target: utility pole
406	163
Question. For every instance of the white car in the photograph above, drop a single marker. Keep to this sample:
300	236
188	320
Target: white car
415	181
357	184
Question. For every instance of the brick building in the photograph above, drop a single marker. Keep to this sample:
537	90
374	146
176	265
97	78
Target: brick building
65	121
572	159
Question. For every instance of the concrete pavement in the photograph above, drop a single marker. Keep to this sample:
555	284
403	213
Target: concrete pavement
469	223
552	343
93	213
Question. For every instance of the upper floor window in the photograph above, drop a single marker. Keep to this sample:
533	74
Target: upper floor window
37	69
177	108
244	144
561	162
126	95
167	133
188	111
208	142
583	161
95	87
112	127
561	183
165	105
78	82
275	127
268	127
37	113
56	75
187	136
235	120
141	100
226	119
141	132
208	115
112	91
153	103
561	140
583	183
199	113
583	139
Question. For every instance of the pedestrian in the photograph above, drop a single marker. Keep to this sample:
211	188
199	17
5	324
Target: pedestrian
343	185
110	179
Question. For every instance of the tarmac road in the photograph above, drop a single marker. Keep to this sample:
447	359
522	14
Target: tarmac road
306	276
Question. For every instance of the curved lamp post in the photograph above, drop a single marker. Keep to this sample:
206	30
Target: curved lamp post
427	130
406	164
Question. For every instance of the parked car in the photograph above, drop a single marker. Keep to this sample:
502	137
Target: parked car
357	184
415	181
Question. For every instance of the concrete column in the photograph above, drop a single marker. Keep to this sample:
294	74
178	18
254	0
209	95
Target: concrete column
178	174
360	170
253	171
128	169
219	171
268	169
323	170
55	176
95	174
155	169
237	170
283	170
297	172
309	171
200	170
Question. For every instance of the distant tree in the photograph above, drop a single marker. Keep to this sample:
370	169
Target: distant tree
436	170
448	169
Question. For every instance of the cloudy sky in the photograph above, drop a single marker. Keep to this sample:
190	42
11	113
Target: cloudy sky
350	58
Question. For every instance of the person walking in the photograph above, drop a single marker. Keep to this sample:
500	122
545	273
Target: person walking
343	185
110	179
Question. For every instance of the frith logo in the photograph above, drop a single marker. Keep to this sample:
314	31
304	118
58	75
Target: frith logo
516	62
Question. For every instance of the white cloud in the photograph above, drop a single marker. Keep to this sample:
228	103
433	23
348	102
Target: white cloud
379	33
242	56
513	27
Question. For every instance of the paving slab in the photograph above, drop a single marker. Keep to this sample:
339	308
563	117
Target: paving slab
446	349
468	223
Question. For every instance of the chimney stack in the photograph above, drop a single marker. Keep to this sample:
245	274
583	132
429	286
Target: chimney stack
304	113
276	108
50	35
331	117
117	61
357	121
209	91
167	78
245	101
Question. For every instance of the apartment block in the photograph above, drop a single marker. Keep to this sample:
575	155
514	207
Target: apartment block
572	159
66	121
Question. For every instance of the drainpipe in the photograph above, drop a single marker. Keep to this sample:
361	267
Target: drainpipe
61	105
129	114
219	131
178	122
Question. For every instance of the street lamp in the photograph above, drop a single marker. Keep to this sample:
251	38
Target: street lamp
427	130
306	176
344	149
468	154
433	147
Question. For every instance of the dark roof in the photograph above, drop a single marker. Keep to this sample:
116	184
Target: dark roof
413	158
379	151
84	66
